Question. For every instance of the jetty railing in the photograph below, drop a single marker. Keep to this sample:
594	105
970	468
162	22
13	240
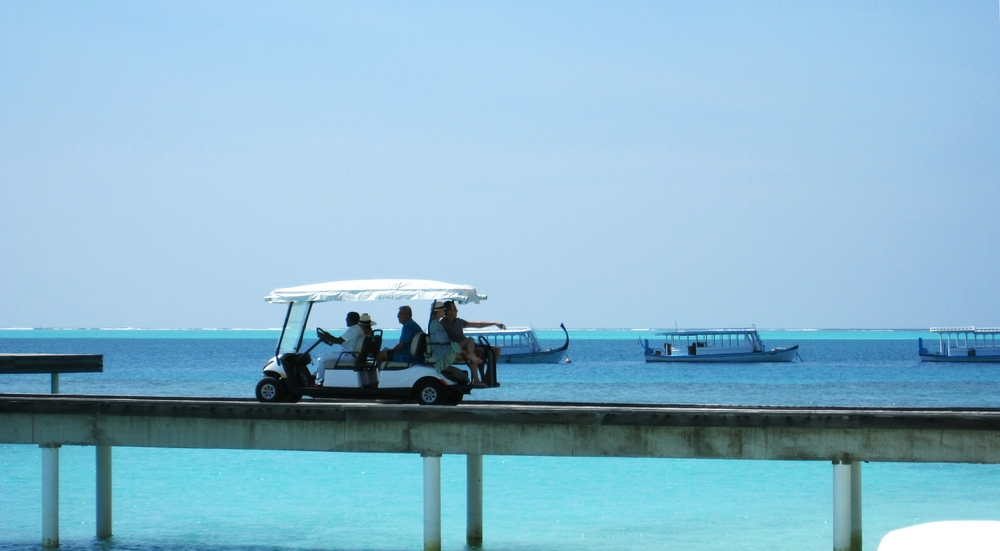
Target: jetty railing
53	364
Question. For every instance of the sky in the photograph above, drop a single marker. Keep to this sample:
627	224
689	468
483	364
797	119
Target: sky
605	165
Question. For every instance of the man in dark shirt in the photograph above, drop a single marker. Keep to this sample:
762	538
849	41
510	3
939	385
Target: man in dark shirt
455	326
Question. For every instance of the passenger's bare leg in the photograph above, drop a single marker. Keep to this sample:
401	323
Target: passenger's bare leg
469	348
474	360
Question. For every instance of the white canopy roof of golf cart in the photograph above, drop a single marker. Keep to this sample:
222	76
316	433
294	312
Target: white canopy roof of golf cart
376	289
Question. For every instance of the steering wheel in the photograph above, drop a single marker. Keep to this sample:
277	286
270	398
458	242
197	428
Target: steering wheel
324	336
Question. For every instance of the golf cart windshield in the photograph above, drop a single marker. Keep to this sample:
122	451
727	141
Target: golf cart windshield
294	328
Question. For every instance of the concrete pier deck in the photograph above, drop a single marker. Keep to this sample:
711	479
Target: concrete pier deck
838	434
845	436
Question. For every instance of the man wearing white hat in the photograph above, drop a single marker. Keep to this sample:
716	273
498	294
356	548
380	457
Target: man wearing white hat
366	323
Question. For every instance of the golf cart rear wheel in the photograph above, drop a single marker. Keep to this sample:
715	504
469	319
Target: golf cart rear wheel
430	393
270	390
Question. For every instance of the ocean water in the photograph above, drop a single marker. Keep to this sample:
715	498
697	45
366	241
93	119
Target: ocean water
225	500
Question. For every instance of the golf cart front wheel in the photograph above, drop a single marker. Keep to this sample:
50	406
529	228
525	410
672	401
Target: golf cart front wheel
270	390
430	393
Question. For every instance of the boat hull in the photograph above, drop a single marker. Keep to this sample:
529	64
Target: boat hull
959	359
553	356
775	355
550	356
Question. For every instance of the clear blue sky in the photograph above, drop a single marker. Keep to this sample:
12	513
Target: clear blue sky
167	164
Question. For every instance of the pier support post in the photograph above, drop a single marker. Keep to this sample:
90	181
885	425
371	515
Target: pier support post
103	492
55	383
50	495
841	506
856	506
432	502
846	506
474	504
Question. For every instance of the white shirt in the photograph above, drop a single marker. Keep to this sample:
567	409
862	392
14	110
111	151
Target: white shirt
352	338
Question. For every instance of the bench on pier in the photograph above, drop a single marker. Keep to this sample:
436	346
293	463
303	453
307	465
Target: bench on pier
53	364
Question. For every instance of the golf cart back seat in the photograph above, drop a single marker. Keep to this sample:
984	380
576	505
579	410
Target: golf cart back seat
418	348
365	364
487	371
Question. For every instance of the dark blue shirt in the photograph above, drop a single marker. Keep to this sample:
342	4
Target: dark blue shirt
410	329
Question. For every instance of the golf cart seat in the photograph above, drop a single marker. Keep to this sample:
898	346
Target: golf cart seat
362	360
352	360
376	342
417	347
365	364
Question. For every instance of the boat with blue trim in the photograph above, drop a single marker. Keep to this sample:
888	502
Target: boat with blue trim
715	345
963	344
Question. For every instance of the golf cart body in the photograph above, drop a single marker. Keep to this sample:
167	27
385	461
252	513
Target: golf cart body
357	374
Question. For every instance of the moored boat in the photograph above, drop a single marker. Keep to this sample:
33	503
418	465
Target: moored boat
519	345
715	345
963	344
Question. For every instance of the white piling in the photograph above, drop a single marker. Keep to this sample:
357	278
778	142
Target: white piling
432	502
50	496
841	506
856	506
103	492
474	504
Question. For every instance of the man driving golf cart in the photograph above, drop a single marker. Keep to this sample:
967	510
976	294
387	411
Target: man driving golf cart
359	374
343	347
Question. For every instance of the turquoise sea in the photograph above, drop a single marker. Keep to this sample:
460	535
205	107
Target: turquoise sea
221	500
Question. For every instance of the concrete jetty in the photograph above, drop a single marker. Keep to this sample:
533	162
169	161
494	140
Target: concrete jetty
844	436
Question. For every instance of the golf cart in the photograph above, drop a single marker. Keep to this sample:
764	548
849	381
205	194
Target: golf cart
357	373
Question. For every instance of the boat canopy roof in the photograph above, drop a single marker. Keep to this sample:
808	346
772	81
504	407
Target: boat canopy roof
692	332
970	329
494	331
376	289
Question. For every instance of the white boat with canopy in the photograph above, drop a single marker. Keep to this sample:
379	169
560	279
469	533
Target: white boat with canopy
520	345
357	374
715	345
963	344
